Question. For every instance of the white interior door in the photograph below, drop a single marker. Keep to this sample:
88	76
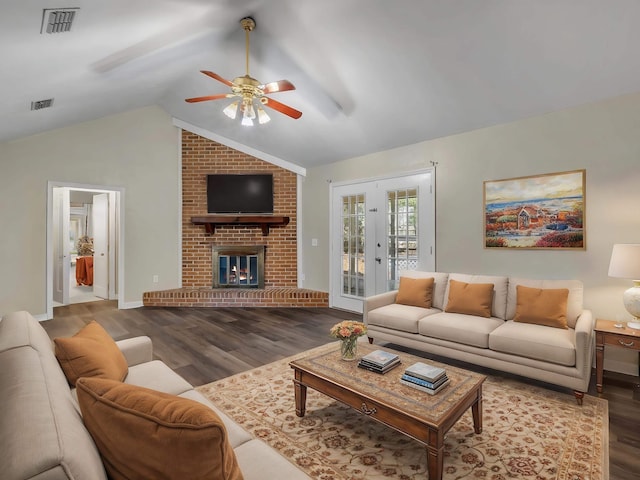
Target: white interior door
100	220
378	229
61	246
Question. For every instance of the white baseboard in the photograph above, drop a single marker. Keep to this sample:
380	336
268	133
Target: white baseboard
129	305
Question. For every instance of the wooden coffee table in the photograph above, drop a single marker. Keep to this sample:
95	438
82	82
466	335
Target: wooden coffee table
426	418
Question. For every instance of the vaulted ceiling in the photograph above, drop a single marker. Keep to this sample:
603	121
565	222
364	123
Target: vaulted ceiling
370	74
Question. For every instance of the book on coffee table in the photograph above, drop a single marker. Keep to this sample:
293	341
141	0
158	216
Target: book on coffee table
380	358
379	361
418	381
430	391
375	368
427	372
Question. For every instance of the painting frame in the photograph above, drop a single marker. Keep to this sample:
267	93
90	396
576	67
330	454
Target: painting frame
536	212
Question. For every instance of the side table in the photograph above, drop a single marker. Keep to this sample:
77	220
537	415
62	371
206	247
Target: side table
608	334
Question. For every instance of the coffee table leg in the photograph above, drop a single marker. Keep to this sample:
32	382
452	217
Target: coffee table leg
476	411
301	394
435	456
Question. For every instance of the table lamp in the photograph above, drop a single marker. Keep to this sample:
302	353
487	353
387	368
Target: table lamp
625	263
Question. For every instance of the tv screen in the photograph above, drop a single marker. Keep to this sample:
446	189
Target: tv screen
245	193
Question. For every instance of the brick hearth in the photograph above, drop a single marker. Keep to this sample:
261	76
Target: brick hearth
232	297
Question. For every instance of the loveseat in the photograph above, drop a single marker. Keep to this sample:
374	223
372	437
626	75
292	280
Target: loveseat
514	336
42	433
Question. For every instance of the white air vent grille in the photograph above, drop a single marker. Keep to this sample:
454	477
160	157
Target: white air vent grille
57	20
40	104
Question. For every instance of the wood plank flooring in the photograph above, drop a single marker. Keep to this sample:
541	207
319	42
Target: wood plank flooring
206	344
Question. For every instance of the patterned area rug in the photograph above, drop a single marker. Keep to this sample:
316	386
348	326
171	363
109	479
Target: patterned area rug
528	432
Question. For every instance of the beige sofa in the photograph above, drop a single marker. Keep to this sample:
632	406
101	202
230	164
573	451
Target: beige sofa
42	435
553	355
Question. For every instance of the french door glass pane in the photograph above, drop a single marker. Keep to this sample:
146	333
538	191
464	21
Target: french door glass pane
402	233
353	245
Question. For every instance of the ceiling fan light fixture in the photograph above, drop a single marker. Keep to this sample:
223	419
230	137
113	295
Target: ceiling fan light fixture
246	121
231	110
262	116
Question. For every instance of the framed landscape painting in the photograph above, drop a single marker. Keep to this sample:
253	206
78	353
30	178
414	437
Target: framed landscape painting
536	212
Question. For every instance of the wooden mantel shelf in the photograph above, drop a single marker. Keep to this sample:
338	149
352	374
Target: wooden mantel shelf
265	221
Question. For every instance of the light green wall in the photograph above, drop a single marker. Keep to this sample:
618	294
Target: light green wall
603	138
139	151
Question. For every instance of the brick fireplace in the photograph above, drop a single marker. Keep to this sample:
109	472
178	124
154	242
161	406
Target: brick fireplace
200	157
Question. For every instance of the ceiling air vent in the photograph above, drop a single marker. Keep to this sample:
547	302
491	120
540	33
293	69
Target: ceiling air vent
57	20
40	104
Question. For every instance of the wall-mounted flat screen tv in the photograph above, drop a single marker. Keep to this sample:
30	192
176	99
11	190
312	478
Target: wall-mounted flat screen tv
240	193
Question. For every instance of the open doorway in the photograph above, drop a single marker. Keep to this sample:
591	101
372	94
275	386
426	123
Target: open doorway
84	244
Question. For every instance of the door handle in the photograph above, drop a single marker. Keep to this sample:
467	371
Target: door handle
378	259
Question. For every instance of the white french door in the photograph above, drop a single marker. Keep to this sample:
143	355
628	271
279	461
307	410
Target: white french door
379	228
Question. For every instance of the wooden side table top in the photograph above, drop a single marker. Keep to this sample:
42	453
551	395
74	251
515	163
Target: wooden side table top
608	326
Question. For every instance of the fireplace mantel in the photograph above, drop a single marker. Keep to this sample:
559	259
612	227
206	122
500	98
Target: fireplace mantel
264	221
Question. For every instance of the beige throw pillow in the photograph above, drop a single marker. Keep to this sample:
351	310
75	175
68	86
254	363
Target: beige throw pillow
144	434
542	306
416	292
90	353
470	298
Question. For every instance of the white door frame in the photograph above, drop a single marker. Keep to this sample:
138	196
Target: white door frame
427	242
118	192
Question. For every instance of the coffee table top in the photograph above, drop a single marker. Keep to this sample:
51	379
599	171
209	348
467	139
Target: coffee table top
386	388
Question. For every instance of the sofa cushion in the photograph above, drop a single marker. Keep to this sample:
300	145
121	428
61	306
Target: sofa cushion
259	460
19	329
42	432
535	341
459	328
574	300
542	306
90	353
415	291
141	433
470	298
399	317
439	285
156	375
499	304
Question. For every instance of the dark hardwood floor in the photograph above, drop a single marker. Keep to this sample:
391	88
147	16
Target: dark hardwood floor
206	344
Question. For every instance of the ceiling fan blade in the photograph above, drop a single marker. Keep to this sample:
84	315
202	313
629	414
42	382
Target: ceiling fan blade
282	108
279	86
215	76
208	97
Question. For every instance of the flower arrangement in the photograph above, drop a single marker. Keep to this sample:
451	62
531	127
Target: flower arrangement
348	331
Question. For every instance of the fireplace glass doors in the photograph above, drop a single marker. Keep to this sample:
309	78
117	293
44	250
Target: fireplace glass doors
238	267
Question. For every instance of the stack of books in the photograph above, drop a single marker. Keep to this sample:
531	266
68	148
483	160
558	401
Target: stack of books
426	378
379	361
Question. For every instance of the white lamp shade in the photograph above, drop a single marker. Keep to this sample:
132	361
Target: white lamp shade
625	261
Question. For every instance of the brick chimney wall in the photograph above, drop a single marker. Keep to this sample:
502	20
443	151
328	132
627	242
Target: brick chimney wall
200	157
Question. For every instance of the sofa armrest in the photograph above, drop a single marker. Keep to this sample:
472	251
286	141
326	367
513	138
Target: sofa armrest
136	350
377	301
584	342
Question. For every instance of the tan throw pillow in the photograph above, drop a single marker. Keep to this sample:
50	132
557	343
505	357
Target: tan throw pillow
415	291
90	353
470	298
542	306
143	434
